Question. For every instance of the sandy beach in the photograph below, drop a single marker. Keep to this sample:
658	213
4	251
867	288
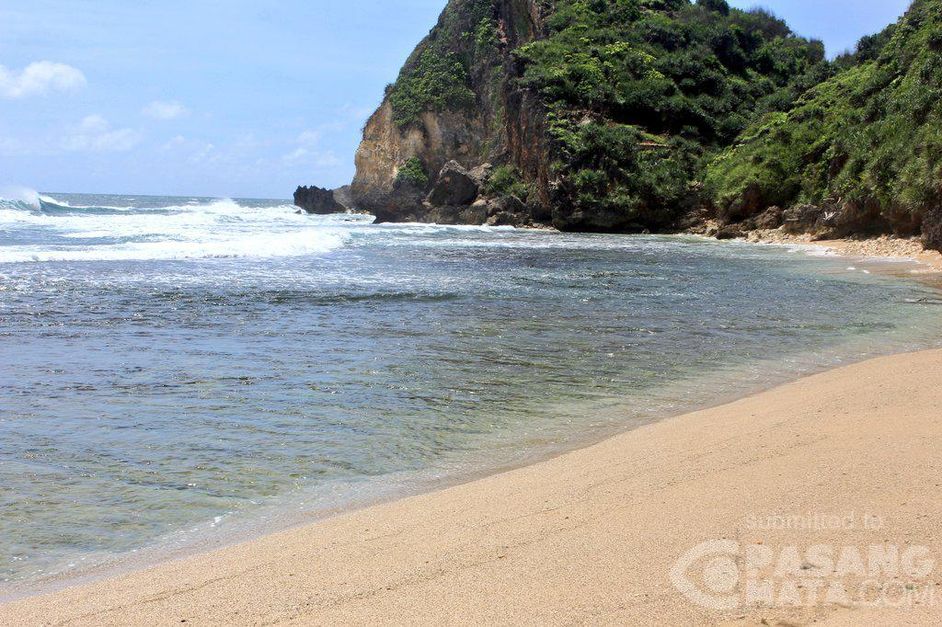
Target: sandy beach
714	516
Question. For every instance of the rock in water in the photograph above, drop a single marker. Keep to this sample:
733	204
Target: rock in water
342	195
455	187
317	200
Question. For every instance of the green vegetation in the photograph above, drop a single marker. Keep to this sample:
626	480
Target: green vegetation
655	107
869	138
438	75
506	181
639	92
413	172
437	82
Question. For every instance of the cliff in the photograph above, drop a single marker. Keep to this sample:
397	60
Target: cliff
455	100
593	116
861	153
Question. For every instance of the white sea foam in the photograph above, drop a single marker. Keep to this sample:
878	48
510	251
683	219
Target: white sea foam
223	228
283	245
19	196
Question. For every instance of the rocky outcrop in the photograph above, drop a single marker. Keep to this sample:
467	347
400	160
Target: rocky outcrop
344	198
458	196
455	186
317	200
771	218
932	228
498	124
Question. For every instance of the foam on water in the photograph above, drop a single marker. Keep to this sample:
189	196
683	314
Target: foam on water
58	230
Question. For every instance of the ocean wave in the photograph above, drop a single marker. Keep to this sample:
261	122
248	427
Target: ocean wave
42	228
256	245
48	204
21	198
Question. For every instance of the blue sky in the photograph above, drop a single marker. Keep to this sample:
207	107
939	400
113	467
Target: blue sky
240	98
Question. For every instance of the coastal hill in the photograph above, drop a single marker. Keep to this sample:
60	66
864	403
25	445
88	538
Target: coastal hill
658	115
859	154
594	116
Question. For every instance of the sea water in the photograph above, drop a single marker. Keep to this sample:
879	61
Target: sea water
176	371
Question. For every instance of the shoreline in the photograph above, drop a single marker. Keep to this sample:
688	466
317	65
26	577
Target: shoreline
886	248
123	566
507	541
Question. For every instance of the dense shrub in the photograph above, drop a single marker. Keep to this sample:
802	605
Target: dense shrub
413	172
871	136
639	91
505	180
437	77
438	81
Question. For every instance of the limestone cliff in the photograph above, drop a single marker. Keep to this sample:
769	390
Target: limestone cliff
455	100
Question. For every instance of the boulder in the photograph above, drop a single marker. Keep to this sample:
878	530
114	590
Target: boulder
455	187
344	198
932	229
481	174
747	204
506	204
769	219
317	200
729	231
467	214
502	218
802	219
403	203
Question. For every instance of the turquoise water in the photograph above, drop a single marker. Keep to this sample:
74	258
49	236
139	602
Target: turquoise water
174	370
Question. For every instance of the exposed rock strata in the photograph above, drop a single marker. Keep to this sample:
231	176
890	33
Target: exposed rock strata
456	146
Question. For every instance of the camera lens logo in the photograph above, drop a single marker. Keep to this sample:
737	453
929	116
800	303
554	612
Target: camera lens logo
708	574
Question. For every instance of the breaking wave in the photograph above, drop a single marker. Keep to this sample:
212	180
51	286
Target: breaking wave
35	227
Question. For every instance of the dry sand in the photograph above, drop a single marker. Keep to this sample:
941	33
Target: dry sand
591	536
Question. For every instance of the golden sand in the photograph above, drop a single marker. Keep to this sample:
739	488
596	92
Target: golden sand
848	459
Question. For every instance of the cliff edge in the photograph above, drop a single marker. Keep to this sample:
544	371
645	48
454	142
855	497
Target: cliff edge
456	100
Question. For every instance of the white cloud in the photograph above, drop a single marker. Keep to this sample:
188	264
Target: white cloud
164	110
317	159
175	142
39	78
94	134
192	150
307	152
309	138
207	153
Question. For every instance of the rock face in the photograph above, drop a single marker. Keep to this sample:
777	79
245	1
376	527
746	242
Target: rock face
502	124
455	186
317	200
344	198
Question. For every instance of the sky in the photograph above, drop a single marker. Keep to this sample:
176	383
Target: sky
233	98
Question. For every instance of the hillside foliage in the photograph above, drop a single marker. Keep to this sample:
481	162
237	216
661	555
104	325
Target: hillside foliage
640	92
655	107
870	138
